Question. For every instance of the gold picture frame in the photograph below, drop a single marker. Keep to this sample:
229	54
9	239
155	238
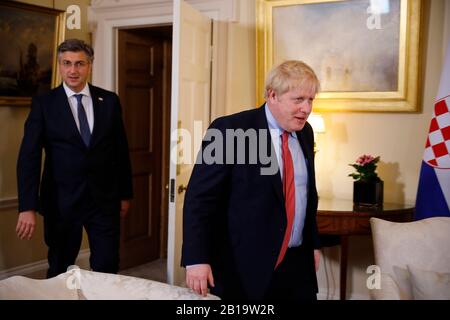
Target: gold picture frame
355	73
28	62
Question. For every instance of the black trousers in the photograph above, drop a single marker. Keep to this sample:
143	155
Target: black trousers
295	278
63	237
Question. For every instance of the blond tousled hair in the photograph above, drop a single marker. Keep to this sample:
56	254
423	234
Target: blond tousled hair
291	74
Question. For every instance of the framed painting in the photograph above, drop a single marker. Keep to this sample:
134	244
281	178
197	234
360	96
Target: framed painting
365	52
30	36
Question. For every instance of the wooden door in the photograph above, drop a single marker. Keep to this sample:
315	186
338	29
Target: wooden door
142	72
191	85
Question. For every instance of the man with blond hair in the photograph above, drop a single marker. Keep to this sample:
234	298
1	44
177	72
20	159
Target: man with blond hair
251	234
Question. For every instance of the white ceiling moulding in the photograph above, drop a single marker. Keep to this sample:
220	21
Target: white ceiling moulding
228	8
106	16
125	3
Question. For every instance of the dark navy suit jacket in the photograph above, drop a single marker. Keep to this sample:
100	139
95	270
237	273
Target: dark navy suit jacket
234	218
71	169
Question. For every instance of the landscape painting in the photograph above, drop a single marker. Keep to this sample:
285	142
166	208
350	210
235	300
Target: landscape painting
27	61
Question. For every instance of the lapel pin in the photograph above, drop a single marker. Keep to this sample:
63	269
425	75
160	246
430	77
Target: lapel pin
100	98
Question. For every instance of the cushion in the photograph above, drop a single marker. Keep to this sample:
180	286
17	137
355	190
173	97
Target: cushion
104	286
429	285
418	243
402	278
389	289
82	284
23	288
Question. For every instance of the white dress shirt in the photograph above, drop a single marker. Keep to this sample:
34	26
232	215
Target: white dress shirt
86	100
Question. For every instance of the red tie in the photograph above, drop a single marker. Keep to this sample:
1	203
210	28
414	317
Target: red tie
289	193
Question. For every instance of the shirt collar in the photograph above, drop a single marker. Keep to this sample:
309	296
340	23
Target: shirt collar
273	124
70	92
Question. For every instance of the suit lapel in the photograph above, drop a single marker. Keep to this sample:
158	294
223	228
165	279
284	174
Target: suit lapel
97	102
275	179
66	115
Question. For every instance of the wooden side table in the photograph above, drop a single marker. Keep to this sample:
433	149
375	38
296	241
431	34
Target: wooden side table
339	217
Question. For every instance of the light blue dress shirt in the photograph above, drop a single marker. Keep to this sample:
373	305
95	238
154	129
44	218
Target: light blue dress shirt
300	175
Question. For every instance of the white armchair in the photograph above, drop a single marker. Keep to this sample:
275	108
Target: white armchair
414	258
78	284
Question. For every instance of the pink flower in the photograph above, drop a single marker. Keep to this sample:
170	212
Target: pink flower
365	167
364	159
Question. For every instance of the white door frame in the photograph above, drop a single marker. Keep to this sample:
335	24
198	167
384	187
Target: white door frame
107	16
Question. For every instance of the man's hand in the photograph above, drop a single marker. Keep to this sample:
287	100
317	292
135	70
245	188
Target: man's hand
316	259
197	278
124	207
26	224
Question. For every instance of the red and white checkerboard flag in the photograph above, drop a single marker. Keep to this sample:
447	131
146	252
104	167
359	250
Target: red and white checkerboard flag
438	143
433	195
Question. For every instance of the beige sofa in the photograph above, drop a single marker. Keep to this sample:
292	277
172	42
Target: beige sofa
79	284
414	259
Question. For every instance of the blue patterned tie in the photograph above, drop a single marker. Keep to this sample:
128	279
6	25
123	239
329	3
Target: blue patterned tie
82	118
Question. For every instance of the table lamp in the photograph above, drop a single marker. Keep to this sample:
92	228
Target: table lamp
318	125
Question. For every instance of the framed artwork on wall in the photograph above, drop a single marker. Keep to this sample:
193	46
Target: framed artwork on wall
28	62
365	52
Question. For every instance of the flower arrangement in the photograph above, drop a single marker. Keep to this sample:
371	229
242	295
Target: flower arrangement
365	166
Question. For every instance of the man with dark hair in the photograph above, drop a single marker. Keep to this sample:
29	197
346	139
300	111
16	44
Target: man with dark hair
75	45
86	180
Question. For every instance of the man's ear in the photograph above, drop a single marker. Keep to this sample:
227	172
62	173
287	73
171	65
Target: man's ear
271	95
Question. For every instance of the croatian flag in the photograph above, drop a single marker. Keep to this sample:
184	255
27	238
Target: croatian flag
433	195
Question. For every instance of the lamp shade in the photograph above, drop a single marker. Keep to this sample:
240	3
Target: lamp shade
317	123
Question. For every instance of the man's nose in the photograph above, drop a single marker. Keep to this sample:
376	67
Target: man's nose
305	106
73	68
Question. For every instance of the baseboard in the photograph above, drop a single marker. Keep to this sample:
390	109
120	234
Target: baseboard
38	269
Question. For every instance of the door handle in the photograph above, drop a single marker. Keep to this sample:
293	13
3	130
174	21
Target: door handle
181	188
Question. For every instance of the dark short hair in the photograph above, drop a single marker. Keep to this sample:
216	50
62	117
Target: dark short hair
76	45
